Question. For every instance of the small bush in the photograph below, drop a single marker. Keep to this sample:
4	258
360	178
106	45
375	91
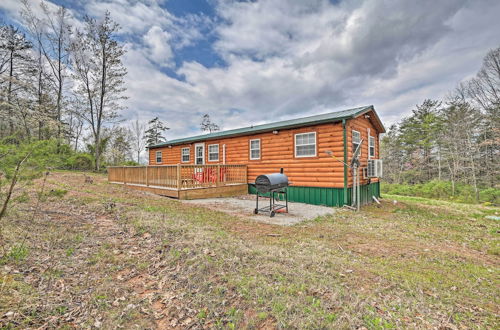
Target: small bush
17	253
490	195
80	161
129	163
57	192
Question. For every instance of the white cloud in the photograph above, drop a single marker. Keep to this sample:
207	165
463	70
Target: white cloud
158	47
288	58
134	17
13	9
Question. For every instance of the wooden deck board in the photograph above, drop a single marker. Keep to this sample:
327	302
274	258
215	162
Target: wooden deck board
192	193
213	192
169	192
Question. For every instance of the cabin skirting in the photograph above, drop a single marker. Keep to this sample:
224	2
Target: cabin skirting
328	196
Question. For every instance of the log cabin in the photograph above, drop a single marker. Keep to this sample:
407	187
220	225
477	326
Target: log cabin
313	151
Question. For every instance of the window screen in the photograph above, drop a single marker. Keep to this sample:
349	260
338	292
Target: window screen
213	152
305	145
185	154
371	141
255	149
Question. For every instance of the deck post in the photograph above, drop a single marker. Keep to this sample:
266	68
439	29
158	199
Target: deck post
178	176
218	183
147	176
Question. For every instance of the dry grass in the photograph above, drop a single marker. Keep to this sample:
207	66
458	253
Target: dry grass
100	255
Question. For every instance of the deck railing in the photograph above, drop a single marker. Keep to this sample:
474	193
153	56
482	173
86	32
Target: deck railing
179	176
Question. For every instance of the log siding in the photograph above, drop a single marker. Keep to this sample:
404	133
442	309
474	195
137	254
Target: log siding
278	151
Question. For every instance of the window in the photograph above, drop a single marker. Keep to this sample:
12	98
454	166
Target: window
356	140
158	157
213	152
371	146
305	144
185	155
255	149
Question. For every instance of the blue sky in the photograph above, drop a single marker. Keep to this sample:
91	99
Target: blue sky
248	62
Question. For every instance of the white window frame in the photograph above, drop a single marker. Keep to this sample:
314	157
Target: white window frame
161	157
250	149
210	153
315	145
371	144
359	141
188	155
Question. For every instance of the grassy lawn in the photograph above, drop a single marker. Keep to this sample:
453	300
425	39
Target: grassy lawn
103	256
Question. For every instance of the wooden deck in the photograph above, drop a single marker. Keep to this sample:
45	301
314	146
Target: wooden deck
183	181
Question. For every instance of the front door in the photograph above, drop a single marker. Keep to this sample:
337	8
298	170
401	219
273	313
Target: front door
199	154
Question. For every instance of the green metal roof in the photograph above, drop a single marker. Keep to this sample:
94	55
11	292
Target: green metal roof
292	123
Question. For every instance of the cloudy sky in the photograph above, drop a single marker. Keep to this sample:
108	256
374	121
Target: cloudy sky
248	62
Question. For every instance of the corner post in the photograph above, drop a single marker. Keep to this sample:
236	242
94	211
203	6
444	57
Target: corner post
344	132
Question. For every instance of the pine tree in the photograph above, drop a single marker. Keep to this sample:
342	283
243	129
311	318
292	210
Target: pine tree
154	133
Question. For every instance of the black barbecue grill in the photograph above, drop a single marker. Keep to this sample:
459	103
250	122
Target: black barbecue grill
274	184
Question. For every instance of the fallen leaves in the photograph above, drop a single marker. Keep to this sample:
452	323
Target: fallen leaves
175	266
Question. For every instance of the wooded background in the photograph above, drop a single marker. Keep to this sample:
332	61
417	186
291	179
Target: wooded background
456	140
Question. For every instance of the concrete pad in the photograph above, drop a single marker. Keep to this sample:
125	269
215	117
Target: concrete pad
243	206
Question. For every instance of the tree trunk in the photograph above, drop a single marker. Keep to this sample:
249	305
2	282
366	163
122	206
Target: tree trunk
97	152
473	165
439	163
13	182
59	92
40	92
9	94
101	107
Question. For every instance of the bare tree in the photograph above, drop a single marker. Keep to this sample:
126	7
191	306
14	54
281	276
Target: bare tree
485	87
138	138
208	125
99	74
52	34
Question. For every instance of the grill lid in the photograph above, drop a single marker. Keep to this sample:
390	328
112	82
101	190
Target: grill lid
267	182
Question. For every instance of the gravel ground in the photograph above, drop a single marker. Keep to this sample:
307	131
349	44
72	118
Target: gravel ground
244	206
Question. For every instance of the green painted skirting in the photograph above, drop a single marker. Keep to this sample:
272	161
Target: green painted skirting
327	196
